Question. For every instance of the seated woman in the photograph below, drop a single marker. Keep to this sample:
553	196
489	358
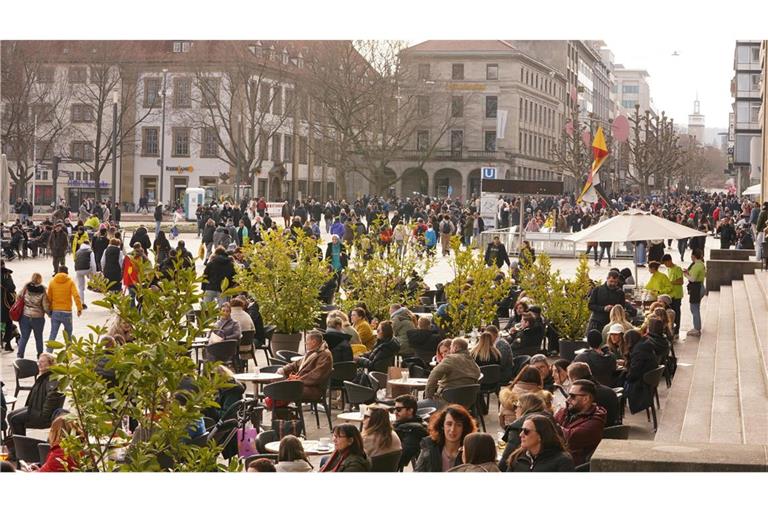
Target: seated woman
617	316
478	455
57	461
529	335
291	457
639	359
239	314
226	329
527	381
347	327
423	340
360	323
447	430
379	437
485	352
541	448
349	455
520	308
527	404
443	349
383	354
337	340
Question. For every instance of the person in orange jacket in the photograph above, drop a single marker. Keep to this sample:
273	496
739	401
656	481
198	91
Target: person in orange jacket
61	291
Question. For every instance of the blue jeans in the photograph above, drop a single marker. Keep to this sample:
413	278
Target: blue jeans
640	254
59	318
157	227
696	314
27	326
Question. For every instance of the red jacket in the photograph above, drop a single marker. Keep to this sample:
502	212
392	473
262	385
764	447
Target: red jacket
130	272
583	432
54	464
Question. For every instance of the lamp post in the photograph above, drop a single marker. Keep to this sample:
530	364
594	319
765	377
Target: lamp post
162	141
115	99
34	158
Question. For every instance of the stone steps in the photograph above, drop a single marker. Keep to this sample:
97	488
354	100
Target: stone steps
726	410
754	385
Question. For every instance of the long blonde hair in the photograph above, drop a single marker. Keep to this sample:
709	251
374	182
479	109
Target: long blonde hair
619	316
485	350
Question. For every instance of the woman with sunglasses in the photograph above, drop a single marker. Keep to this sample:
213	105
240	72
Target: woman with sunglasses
440	450
542	449
349	455
526	405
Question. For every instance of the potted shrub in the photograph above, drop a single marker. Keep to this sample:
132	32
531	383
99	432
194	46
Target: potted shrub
284	274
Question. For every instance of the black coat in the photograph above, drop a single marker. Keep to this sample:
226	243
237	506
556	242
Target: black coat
424	342
43	400
258	321
496	255
603	296
607	399
142	237
338	344
218	268
410	432
431	457
547	461
382	356
529	337
641	361
602	364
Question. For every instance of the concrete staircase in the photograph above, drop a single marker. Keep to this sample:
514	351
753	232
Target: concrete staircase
723	396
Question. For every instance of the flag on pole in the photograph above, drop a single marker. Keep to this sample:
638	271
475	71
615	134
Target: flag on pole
590	193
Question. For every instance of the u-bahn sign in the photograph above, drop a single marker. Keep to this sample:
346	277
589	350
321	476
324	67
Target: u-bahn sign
525	187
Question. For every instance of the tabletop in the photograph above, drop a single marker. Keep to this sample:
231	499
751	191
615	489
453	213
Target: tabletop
259	377
355	416
11	400
296	358
410	382
310	447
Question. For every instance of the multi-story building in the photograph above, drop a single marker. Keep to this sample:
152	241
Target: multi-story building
764	119
485	104
632	88
745	90
159	83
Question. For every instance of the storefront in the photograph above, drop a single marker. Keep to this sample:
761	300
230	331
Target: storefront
78	190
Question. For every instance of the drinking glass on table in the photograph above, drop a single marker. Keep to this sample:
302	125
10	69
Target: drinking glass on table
324	443
404	374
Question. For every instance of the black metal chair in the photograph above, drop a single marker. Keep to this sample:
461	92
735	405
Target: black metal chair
286	355
417	372
270	456
277	361
246	350
325	401
381	379
467	396
224	352
266	343
223	434
43	449
568	348
387	463
26	449
271	368
343	370
357	394
518	362
490	384
24	369
425	412
616	432
268	436
289	391
652	379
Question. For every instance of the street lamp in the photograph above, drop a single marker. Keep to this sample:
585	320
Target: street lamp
115	100
162	141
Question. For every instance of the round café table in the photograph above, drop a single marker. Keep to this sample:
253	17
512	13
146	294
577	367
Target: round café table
258	379
296	358
411	382
356	417
310	447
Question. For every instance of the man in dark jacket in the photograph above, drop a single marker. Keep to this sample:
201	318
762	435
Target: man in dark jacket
58	243
496	253
409	428
158	217
602	299
582	421
141	236
219	267
424	339
601	363
43	400
605	397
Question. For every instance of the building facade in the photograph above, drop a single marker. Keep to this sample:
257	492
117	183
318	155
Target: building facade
745	90
696	123
632	88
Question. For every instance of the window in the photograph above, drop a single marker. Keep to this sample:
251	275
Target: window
754	112
303	150
152	91
180	142
181	46
630	89
43	111
77	75
150	141
457	71
457	106
755	82
492	72
490	140
457	142
290	98
422	105
277	101
628	103
276	147
304	107
491	103
422	140
755	54
209	147
288	147
423	71
182	92
209	90
82	150
45	74
264	97
263	140
81	113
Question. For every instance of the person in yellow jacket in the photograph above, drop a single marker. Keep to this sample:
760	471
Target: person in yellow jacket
659	283
77	239
363	328
61	291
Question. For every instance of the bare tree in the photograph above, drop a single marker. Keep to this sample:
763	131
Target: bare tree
33	112
369	107
92	121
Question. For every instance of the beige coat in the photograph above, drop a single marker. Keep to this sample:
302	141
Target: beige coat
458	369
314	370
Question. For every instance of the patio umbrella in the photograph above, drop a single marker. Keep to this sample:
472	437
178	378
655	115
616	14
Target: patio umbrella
632	226
754	190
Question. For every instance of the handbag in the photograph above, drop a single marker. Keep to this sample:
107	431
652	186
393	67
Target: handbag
246	441
18	307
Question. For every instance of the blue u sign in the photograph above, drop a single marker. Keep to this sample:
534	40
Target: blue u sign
489	173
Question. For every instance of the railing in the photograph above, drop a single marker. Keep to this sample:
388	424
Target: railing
553	244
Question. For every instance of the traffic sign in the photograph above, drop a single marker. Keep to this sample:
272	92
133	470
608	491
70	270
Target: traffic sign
488	173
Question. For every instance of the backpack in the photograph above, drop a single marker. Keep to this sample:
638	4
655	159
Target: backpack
446	229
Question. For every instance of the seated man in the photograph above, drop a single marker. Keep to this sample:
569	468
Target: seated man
605	397
314	369
423	340
529	336
457	369
338	340
43	400
409	428
581	420
601	362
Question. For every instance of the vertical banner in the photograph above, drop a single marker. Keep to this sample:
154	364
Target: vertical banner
501	123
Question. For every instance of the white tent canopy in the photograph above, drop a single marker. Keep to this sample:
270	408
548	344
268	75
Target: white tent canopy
754	190
631	226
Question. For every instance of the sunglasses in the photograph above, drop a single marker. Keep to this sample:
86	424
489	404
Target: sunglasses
527	431
400	408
